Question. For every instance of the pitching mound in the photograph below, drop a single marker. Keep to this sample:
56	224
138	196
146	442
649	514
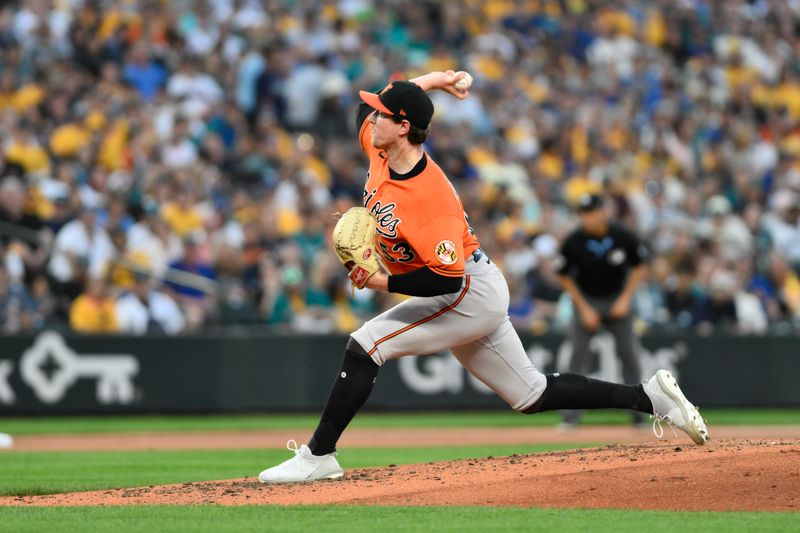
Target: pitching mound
727	475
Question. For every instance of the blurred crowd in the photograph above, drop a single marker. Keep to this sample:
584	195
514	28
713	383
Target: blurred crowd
168	166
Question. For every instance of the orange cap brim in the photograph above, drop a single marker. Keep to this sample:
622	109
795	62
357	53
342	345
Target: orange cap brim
372	100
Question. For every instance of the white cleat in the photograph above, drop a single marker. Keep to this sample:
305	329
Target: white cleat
671	406
304	466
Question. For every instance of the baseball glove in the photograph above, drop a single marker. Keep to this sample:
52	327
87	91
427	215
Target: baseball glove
354	244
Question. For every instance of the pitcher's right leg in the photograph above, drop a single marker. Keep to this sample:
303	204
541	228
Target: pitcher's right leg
499	360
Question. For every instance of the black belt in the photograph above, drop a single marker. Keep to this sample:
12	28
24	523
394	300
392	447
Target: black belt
478	254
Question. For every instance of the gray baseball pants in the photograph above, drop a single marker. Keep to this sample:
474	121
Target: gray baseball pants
473	324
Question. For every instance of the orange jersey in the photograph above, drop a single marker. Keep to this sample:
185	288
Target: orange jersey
421	221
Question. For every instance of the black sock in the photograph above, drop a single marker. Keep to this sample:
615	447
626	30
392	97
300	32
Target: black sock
573	391
349	392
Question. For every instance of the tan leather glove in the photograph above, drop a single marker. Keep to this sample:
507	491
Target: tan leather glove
354	244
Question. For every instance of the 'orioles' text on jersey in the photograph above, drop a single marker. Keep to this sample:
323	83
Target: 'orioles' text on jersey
420	218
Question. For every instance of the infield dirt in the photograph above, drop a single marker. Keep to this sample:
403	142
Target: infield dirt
724	475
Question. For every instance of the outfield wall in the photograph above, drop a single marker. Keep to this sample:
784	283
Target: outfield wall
58	373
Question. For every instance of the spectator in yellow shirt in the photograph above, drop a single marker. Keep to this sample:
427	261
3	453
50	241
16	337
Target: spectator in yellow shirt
182	215
94	311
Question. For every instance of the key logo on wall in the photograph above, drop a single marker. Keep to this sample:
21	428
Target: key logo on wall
50	367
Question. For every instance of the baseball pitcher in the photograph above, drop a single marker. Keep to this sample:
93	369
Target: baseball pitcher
414	220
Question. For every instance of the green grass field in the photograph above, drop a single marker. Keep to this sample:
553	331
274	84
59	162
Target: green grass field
214	518
505	418
51	472
24	473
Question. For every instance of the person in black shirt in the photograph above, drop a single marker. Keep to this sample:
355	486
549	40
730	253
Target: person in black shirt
600	266
22	234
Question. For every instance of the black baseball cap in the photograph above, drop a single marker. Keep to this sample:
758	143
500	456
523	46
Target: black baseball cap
588	202
402	99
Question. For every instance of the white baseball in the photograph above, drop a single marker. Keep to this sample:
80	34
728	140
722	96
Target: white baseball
6	441
464	83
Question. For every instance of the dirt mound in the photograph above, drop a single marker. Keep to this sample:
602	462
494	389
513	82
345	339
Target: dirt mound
726	475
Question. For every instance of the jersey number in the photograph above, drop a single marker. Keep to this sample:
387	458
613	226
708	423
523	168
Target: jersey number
401	247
